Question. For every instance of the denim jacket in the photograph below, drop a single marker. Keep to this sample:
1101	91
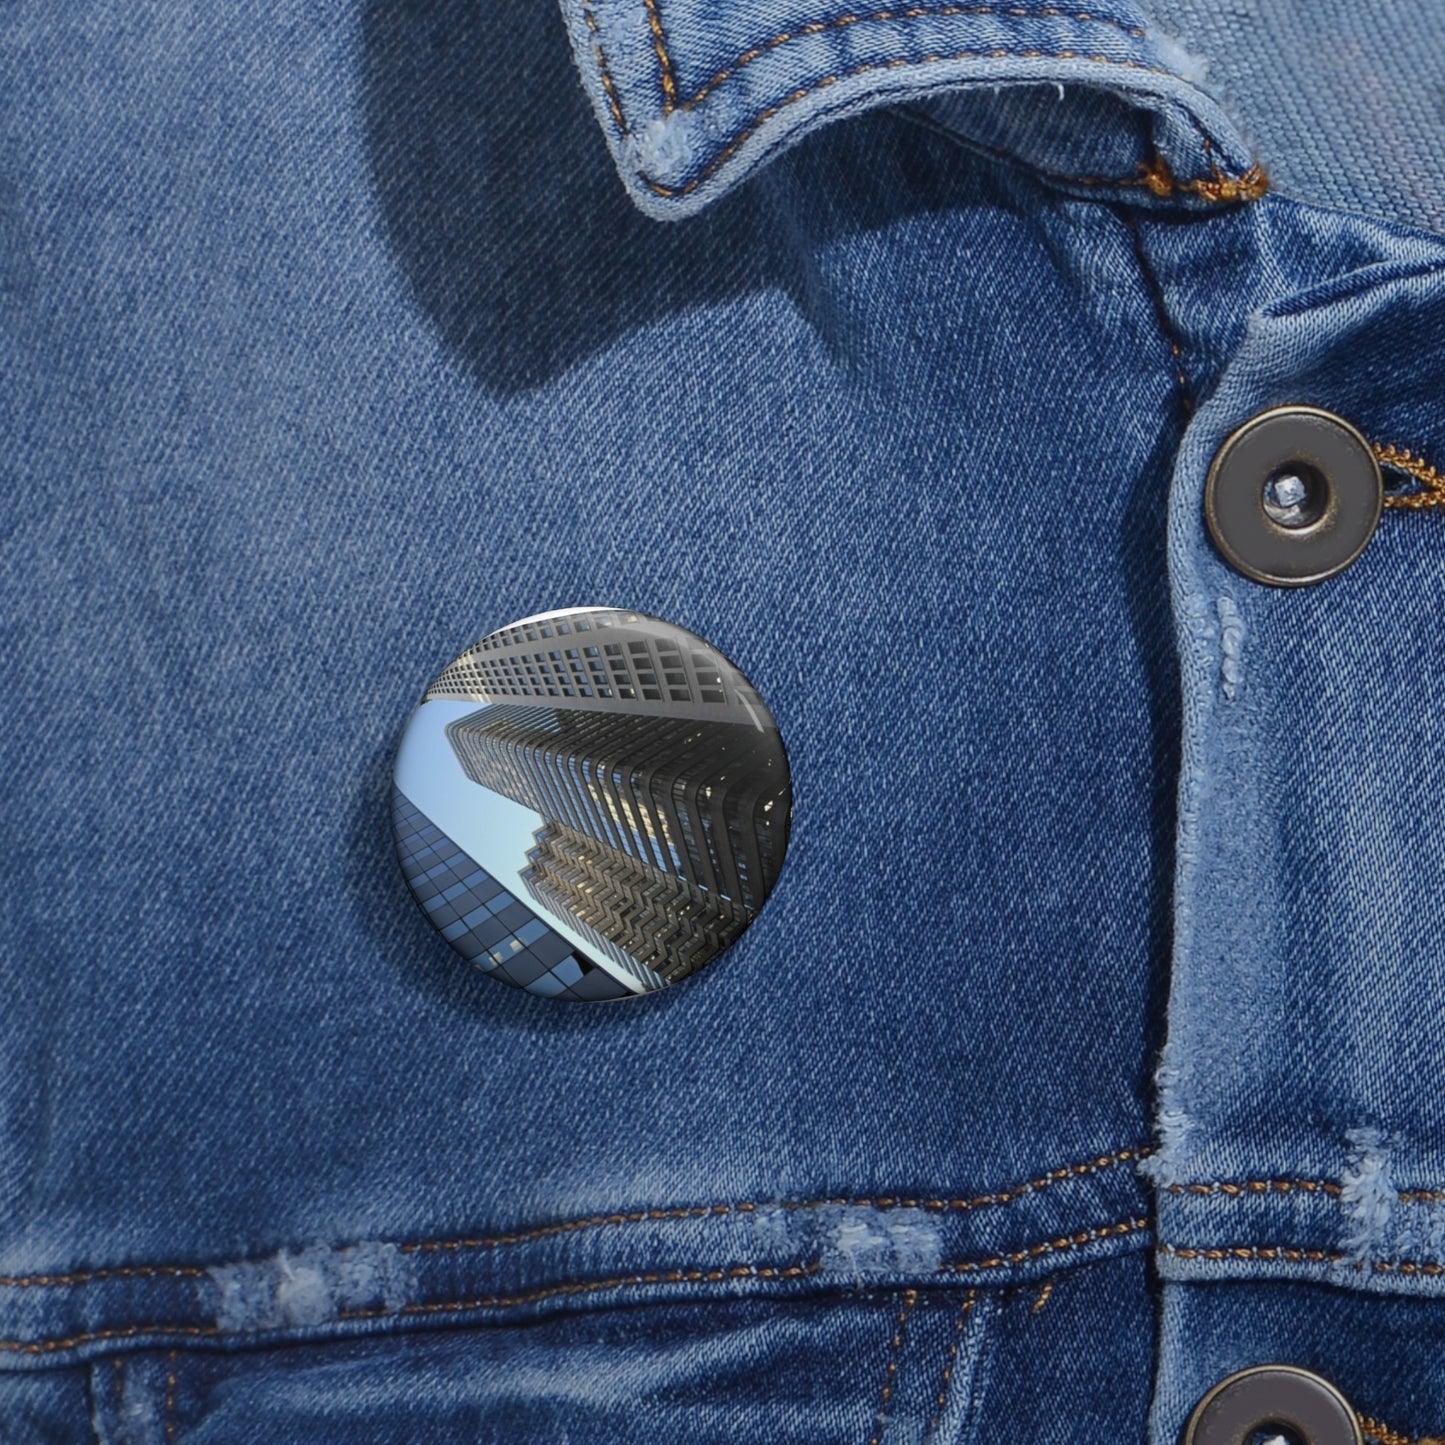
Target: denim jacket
1090	1047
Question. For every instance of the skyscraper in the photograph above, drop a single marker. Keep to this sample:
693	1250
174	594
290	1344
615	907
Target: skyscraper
666	808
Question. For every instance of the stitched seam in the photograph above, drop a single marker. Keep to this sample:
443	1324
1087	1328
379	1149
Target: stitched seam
1432	496
1161	312
1045	1294
890	1375
168	1413
1220	188
1297	1255
614	104
580	1287
664	60
1237	1189
1386	1436
941	1402
998	1198
913	12
1233	1190
1052	1246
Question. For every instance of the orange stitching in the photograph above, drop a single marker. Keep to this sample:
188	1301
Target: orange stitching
1259	1186
914	12
168	1413
1218	189
942	1401
1296	1255
888	1201
1156	175
636	1216
1236	1189
1045	1294
613	102
1386	1436
664	60
1432	496
1053	1246
1253	1251
129	1332
125	1271
1382	1433
910	1298
582	1287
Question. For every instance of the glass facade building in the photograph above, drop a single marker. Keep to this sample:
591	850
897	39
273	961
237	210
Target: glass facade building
485	923
664	833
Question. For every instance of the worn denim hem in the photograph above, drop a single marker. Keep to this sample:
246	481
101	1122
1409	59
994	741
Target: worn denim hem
1081	1212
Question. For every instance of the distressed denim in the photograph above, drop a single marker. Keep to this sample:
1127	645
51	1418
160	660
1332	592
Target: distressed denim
1090	1045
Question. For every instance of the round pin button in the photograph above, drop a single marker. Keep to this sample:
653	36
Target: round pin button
1279	1400
1293	496
591	804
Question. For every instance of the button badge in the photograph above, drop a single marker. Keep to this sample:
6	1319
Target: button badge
591	804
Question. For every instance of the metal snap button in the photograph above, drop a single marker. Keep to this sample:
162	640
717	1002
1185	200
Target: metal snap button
1273	1399
1293	496
591	804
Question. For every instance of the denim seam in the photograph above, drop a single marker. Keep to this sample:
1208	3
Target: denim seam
820	27
890	1374
572	1288
1219	188
1297	1255
950	1361
1052	1246
999	1198
1045	1294
168	1407
1235	1189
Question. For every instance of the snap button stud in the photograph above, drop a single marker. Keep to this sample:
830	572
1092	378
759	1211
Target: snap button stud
1293	496
1279	1400
591	804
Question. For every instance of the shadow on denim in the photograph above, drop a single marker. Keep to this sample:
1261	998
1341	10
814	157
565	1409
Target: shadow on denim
506	214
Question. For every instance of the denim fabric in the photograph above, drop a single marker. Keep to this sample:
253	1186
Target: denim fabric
331	342
1342	97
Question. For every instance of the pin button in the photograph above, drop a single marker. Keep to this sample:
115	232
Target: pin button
591	804
1293	496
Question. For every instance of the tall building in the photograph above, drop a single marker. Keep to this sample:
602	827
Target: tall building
484	922
666	809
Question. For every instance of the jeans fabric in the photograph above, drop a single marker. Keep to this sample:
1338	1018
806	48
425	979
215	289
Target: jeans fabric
331	343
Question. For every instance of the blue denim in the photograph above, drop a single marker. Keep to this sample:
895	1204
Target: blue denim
1089	1045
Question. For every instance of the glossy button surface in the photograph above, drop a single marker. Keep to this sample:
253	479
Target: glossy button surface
1273	1399
1293	496
591	804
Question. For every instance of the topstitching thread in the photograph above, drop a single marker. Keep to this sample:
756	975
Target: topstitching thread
997	1198
1156	175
